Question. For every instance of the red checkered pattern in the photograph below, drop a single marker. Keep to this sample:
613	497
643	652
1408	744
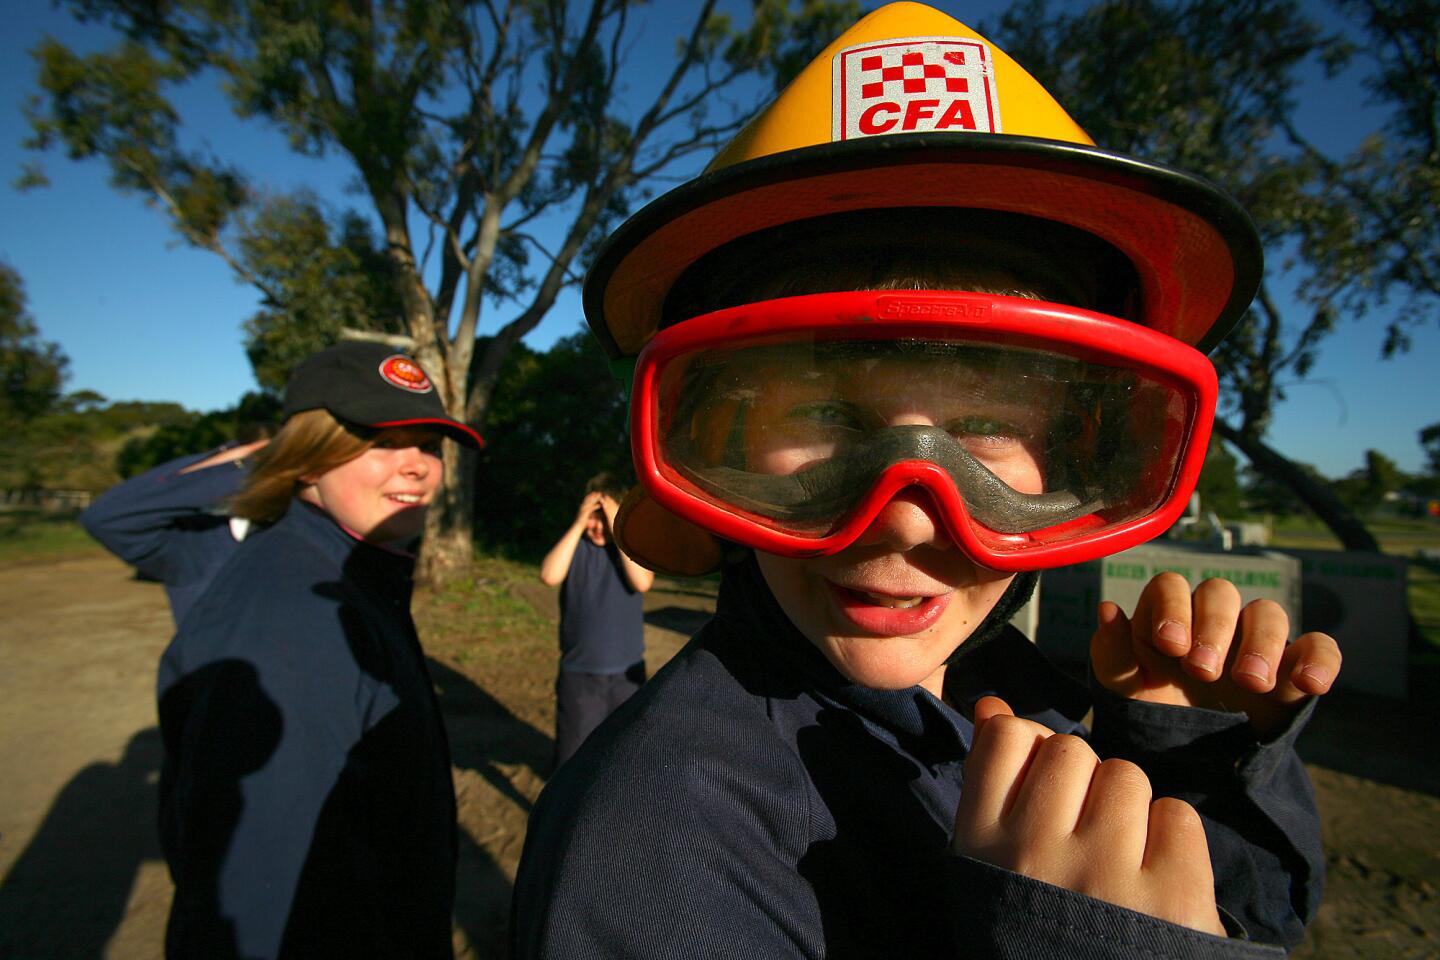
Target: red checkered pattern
911	80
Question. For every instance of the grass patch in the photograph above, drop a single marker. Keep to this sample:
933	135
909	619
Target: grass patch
485	621
488	629
1398	536
1401	536
1424	595
30	535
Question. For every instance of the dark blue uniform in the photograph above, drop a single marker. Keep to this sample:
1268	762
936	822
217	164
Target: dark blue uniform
750	802
166	524
307	808
602	644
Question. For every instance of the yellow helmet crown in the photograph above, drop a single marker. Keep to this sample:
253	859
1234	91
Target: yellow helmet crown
906	68
911	108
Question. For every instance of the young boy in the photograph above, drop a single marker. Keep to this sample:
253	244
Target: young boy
910	339
602	620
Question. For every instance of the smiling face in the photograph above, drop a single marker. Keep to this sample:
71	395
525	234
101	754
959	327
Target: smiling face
595	529
891	608
888	610
381	495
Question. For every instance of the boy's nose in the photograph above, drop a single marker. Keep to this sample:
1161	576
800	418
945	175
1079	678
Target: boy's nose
911	519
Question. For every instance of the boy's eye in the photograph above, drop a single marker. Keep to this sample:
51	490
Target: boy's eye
828	413
986	430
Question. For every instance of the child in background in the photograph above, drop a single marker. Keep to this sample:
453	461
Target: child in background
602	618
887	362
307	808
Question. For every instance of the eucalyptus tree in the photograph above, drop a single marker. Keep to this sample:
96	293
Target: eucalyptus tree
32	370
468	125
1210	87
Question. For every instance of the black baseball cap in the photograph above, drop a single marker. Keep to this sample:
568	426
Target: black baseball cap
371	385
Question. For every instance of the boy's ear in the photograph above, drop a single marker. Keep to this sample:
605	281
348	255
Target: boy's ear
654	537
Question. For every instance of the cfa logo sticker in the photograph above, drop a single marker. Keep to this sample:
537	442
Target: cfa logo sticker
914	85
402	372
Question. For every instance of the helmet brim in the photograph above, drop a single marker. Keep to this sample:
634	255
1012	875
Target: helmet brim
1195	251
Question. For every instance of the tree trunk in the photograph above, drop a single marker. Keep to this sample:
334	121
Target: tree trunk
1342	521
449	524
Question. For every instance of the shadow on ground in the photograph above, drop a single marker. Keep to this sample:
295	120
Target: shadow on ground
67	892
682	620
486	737
1379	738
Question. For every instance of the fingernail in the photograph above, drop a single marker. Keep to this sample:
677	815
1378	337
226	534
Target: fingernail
1319	674
1206	657
1253	665
1173	633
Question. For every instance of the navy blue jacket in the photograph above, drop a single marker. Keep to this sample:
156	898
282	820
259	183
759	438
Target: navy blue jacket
749	802
306	804
165	524
602	617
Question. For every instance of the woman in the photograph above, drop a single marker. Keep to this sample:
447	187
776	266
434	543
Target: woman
306	801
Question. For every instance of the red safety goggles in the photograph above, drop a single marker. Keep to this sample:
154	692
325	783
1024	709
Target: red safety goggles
1045	434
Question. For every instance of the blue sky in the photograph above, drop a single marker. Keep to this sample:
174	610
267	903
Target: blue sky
143	317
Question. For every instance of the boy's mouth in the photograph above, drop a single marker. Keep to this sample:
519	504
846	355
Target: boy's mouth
883	614
894	603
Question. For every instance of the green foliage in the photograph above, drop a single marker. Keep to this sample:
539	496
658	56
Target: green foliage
1208	86
1364	490
32	371
1264	494
322	282
1204	86
256	415
73	447
87	444
1430	441
556	419
1369	223
112	104
474	120
30	535
1219	485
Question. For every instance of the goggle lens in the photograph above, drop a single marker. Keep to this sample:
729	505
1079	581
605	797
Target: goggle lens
1022	444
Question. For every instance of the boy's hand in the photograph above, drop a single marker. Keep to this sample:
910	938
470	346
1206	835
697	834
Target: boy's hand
1205	651
588	505
609	506
1044	806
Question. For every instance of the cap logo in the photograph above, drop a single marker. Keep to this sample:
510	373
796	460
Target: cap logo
914	85
400	371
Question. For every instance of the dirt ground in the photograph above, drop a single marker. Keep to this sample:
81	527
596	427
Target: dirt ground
80	754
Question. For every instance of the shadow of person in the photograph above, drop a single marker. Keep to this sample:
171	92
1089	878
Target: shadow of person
67	892
201	798
482	902
483	732
706	588
682	620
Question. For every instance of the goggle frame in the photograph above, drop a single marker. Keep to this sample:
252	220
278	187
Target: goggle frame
929	314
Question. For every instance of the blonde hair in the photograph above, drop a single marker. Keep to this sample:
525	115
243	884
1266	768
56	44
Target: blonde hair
310	443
